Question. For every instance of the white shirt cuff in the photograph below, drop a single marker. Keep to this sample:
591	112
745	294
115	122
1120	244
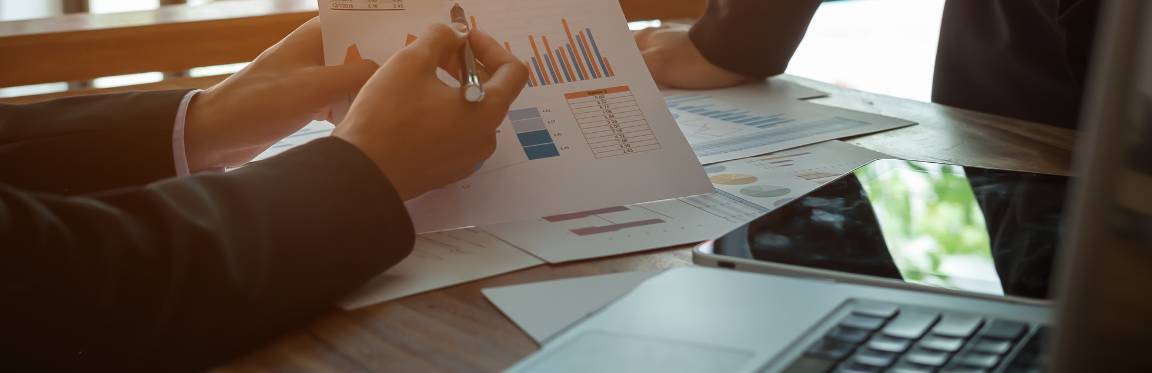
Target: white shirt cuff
178	152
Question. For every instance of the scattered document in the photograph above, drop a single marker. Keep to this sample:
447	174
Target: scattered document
310	132
744	190
775	179
537	310
590	130
440	260
742	121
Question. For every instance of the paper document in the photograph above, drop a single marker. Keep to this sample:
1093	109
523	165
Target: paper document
440	260
590	130
537	310
741	122
744	190
310	132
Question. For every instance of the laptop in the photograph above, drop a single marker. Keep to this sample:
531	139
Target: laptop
702	319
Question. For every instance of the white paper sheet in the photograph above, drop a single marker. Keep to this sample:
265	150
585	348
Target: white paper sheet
537	310
310	132
440	260
590	131
741	122
745	189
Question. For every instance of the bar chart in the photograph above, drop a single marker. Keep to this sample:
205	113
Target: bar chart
703	105
533	134
579	59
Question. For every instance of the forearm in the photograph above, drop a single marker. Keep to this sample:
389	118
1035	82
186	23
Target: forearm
88	144
755	38
190	271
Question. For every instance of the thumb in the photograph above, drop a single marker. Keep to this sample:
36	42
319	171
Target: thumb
436	45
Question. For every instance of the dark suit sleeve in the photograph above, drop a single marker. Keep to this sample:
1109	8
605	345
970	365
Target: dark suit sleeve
752	37
184	273
88	144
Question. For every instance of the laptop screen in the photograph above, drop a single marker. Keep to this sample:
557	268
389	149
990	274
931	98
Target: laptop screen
965	228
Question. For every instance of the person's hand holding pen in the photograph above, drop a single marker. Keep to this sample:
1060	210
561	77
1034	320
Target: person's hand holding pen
422	133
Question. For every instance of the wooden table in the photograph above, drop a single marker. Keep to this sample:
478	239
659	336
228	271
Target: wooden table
456	329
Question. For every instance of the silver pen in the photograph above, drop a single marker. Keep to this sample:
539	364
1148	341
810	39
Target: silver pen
469	79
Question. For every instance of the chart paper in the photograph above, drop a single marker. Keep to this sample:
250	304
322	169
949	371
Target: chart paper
590	130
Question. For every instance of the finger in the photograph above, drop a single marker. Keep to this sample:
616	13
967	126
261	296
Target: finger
304	46
643	37
509	75
435	45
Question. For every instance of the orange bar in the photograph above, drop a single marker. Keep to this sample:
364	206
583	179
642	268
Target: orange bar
552	57
596	92
584	42
352	55
539	60
571	73
609	66
575	49
473	18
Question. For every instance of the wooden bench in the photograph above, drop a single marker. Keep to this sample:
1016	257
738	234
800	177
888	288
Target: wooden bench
85	46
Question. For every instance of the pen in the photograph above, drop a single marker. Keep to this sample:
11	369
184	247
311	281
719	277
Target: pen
469	79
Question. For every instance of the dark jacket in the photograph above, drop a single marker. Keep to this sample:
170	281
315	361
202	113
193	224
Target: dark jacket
107	262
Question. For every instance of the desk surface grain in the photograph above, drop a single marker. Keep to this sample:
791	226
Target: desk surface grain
456	329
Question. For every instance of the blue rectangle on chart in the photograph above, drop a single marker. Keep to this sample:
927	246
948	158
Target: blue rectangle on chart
541	151
524	113
534	138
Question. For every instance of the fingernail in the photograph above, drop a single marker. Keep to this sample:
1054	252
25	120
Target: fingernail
461	29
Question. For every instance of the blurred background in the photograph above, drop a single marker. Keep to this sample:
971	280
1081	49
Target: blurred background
883	46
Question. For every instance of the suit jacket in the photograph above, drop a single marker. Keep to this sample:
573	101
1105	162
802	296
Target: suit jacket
1026	59
107	262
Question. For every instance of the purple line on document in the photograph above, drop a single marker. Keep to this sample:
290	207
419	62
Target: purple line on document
584	214
615	227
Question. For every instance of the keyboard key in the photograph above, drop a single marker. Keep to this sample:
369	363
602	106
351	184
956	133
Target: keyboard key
830	349
927	357
809	364
908	367
863	322
977	360
1004	329
849	335
1033	355
889	344
910	324
959	326
852	367
963	370
885	311
875	358
991	346
938	343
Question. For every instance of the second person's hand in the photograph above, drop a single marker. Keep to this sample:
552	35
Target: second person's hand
421	132
676	62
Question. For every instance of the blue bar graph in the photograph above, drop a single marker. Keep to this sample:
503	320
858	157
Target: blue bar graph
533	135
692	104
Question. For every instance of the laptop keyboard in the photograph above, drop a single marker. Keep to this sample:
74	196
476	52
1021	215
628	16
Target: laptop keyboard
877	337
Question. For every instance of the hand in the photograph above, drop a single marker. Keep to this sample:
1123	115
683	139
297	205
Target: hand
675	62
284	89
421	132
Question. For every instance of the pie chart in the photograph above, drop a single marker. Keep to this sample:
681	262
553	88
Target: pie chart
733	179
765	191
